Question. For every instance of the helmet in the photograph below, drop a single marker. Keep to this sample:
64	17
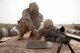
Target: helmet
33	6
47	23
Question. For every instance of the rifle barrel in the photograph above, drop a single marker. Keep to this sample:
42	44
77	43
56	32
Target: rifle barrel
77	38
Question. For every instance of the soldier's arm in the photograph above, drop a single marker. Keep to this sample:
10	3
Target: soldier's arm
40	33
28	20
38	36
41	18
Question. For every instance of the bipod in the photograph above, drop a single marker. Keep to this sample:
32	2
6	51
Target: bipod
59	48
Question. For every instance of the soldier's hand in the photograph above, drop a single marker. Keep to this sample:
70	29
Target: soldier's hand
34	31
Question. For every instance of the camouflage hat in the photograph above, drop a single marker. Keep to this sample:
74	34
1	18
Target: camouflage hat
48	23
33	6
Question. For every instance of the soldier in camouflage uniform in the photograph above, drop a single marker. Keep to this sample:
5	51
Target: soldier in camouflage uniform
50	32
30	21
43	31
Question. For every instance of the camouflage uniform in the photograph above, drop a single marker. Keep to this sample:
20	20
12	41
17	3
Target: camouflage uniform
44	30
30	21
50	32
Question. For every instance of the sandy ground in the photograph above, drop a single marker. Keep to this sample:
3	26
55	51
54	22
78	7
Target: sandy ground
14	46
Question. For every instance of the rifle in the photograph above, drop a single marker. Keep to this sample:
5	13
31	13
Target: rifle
62	37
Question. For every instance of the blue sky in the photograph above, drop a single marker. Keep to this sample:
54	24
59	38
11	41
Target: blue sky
60	11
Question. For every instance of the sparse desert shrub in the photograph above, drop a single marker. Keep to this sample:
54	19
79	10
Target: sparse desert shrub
7	25
76	27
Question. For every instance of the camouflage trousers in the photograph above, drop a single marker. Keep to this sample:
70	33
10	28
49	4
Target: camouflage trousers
22	27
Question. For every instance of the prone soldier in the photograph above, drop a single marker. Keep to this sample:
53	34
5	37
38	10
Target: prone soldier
30	21
43	31
49	32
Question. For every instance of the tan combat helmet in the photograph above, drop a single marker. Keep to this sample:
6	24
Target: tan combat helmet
47	23
33	6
